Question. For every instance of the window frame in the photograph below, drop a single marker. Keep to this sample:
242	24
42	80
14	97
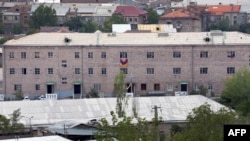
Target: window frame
50	71
104	71
150	71
176	70
123	54
204	54
37	54
150	54
143	86
204	70
177	54
90	71
157	87
23	55
24	71
230	70
37	71
124	70
90	55
103	55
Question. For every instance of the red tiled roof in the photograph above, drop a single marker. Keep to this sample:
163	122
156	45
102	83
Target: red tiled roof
220	9
180	13
129	11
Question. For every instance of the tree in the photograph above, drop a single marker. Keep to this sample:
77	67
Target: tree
12	125
205	125
126	129
74	24
17	29
245	28
1	28
236	92
152	16
223	25
89	27
120	90
18	95
15	125
93	93
114	19
43	16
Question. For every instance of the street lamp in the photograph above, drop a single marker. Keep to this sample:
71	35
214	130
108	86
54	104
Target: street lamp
29	121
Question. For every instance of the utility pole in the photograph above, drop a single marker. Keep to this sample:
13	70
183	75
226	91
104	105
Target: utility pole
155	108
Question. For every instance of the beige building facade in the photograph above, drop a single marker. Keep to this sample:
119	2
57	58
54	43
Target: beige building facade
155	63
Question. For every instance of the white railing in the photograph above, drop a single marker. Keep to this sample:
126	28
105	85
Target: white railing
1	97
52	96
180	93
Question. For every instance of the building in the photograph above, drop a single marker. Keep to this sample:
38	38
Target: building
74	63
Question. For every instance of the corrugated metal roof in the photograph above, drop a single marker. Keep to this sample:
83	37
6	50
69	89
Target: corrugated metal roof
43	138
123	39
44	112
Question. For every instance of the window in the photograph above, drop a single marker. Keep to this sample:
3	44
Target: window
12	70
177	70
64	63
97	87
103	55
124	70
150	70
150	54
177	54
157	87
203	54
230	70
37	71
23	54
24	71
11	55
37	55
104	71
210	86
37	87
50	70
90	54
231	54
123	55
64	80
77	54
196	87
144	87
50	54
170	87
17	87
91	71
203	70
77	70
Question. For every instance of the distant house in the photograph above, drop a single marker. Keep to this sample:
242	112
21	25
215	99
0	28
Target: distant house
16	15
87	1
182	19
133	15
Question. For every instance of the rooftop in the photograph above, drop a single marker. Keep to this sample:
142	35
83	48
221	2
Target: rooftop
46	112
129	10
220	9
131	39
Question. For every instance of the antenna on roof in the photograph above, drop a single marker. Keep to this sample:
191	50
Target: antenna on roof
67	40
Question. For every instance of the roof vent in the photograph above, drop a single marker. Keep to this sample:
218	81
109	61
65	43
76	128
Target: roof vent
112	34
207	39
216	33
163	34
67	40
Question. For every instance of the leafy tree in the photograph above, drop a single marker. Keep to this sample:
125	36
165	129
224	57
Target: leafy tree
43	16
18	95
4	125
74	24
152	16
245	28
120	91
223	25
205	125
114	19
3	40
236	92
93	94
126	129
15	125
89	27
17	29
1	28
11	125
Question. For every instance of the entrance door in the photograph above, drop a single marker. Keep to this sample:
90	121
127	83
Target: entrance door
184	87
77	89
50	89
130	88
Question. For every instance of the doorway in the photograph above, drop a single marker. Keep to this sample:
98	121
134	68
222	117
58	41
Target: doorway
50	89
